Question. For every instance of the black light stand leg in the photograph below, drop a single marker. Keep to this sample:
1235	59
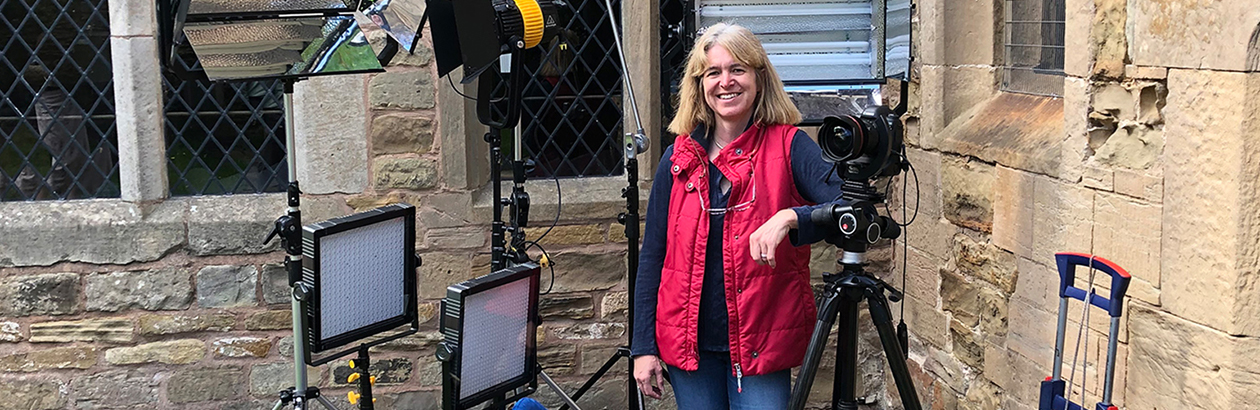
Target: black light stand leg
363	365
608	364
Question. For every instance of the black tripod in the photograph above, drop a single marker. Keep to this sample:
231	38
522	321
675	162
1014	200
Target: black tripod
860	226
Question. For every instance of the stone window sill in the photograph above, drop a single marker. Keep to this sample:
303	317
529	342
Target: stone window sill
113	231
581	199
1016	130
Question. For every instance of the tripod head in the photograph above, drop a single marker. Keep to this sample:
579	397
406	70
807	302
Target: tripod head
855	223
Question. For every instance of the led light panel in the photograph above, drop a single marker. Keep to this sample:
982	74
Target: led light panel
361	272
489	326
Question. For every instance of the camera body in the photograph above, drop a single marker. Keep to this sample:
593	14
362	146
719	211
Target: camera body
864	147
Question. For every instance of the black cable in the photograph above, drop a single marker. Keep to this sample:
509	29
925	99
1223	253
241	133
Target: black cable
453	87
559	205
461	94
888	188
550	264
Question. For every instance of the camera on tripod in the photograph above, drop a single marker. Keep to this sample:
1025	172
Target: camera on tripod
861	148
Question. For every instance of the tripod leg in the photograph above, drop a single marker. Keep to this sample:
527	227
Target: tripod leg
844	386
278	406
880	314
805	379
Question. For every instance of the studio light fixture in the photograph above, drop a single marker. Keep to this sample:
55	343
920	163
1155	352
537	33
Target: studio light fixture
358	273
489	348
266	39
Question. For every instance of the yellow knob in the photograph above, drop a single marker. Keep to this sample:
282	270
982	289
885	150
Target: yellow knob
544	261
354	397
353	377
372	380
352	364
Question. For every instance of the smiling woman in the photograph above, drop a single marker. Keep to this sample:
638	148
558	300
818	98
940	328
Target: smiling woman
739	180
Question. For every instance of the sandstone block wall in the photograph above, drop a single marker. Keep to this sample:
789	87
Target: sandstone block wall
1152	165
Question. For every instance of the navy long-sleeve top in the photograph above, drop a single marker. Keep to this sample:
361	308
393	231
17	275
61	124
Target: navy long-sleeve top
813	179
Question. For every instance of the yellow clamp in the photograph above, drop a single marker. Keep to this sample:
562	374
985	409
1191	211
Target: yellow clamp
353	397
544	261
355	377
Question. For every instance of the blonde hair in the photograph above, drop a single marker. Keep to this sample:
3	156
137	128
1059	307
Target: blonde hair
772	105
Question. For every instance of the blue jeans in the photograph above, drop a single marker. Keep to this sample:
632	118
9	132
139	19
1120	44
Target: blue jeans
713	386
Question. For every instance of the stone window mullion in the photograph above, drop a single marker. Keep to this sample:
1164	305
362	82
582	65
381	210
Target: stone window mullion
138	100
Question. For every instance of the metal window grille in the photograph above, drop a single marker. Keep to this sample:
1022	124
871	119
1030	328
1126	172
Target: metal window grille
57	115
677	35
1033	41
571	108
224	138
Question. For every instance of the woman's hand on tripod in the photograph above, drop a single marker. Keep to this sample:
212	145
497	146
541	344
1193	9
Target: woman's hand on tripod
649	375
767	237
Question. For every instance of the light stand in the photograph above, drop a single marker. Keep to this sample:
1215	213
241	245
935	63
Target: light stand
500	253
634	145
288	227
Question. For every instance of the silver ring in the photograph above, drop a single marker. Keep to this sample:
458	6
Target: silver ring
763	256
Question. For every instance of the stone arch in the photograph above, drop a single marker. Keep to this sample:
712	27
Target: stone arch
1253	51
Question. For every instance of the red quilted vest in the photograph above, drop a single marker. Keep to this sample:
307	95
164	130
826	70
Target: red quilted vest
771	310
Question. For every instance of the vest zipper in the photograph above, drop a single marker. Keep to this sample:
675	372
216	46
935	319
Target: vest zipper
739	379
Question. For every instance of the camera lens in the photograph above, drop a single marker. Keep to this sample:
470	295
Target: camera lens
841	138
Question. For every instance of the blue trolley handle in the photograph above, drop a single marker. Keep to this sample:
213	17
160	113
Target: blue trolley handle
1113	305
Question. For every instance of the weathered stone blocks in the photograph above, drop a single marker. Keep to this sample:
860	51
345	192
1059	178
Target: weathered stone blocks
34	295
568	234
75	357
184	351
11	332
1128	233
401	134
87	330
386	371
585	272
270	320
116	389
409	90
167	288
566	306
218	227
967	188
198	385
404	173
330	138
244	346
32	394
1191	33
1173	361
1210	223
174	324
225	286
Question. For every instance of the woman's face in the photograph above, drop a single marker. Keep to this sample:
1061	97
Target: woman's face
730	88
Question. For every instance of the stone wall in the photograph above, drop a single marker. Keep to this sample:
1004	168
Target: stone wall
1147	159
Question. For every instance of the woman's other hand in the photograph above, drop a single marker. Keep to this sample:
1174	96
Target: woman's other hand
649	375
767	237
